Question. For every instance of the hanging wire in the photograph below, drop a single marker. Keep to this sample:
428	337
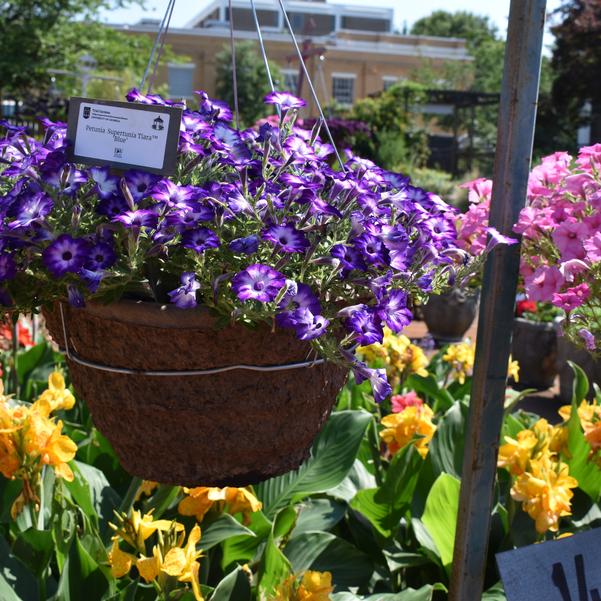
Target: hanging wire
234	75
262	45
308	78
160	52
154	47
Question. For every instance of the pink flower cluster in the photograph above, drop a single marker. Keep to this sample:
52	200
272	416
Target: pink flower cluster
561	237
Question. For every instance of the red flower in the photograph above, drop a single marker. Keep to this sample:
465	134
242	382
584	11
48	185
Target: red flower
525	306
402	401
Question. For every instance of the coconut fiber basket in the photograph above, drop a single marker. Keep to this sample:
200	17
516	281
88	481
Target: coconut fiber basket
234	427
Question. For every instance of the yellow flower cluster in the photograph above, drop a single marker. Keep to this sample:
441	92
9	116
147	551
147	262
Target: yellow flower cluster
412	425
234	500
461	358
314	586
543	484
397	353
169	562
590	420
30	438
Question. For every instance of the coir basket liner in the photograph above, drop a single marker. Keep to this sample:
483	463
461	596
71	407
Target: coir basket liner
231	428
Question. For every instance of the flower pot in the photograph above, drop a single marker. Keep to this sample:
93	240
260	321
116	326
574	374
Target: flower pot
230	428
534	347
566	351
449	315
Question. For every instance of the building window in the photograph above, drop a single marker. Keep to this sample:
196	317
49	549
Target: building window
343	89
180	78
388	81
290	77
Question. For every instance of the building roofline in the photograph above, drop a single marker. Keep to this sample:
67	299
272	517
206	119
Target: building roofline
446	52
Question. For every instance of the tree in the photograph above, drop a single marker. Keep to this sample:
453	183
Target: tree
251	79
577	62
38	35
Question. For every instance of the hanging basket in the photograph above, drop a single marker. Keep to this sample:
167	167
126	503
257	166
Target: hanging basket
233	427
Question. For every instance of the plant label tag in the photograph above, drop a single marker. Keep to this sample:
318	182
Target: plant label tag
125	135
561	570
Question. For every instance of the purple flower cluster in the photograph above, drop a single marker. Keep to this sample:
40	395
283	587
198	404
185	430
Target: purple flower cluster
257	225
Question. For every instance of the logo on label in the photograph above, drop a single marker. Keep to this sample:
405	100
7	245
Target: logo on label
157	124
118	153
86	112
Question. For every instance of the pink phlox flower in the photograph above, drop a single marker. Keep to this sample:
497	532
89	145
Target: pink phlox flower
543	283
544	177
579	184
572	297
568	237
589	156
479	190
528	223
400	402
573	267
592	246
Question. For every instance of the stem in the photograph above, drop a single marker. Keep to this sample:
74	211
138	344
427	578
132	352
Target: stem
40	523
375	451
14	353
130	495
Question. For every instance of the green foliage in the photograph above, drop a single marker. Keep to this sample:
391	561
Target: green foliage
251	78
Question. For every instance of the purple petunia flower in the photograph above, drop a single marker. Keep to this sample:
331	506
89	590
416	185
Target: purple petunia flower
287	238
306	324
184	297
349	258
106	184
173	195
285	100
213	109
91	278
65	255
392	310
31	209
200	239
299	297
497	238
8	268
101	256
366	325
377	378
139	218
588	339
247	245
75	297
111	207
140	183
372	249
258	282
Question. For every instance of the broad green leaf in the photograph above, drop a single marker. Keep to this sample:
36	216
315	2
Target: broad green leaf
586	472
511	426
242	549
357	479
234	587
423	594
221	529
318	514
303	550
9	491
429	387
325	552
580	386
384	506
7	592
15	575
446	447
274	567
332	456
34	548
284	522
82	577
400	560
440	516
496	593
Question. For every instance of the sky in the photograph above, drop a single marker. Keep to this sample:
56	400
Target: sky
406	11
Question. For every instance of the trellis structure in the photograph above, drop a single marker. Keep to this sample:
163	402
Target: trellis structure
512	165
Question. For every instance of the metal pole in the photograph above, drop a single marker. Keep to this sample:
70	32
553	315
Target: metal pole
512	165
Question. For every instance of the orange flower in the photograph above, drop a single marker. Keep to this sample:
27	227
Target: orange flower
202	498
412	425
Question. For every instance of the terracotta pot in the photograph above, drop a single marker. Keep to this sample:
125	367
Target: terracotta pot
534	347
566	351
450	315
231	428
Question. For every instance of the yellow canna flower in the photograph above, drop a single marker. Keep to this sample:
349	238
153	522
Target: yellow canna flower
460	357
402	428
146	489
545	492
202	498
183	563
315	586
513	371
57	395
150	567
515	454
120	561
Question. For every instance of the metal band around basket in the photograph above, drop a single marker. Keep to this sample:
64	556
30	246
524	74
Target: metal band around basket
72	356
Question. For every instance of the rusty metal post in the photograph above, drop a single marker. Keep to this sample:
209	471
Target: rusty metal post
515	136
